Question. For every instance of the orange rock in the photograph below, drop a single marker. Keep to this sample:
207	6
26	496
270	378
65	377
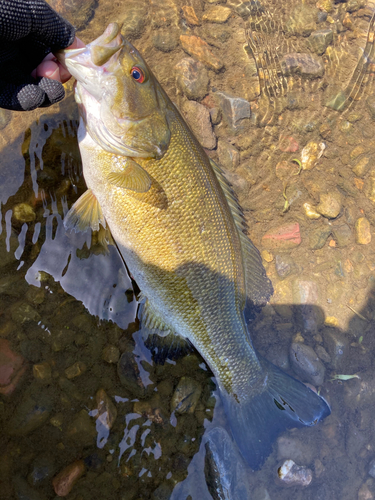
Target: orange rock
190	15
358	183
66	479
198	48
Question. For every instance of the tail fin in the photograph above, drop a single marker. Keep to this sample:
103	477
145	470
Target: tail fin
284	403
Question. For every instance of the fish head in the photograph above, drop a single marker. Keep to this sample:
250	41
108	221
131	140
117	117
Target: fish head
120	100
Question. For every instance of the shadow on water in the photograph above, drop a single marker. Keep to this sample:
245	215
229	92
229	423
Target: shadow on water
82	391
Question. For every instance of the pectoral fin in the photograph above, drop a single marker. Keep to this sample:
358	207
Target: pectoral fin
85	213
133	177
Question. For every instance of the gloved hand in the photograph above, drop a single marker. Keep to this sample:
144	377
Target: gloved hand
29	30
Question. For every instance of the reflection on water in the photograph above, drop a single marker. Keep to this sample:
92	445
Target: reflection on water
85	411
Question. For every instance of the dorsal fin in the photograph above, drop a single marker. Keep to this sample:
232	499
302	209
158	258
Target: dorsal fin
258	286
85	213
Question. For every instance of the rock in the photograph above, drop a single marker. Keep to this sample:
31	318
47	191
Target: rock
12	367
198	48
229	156
65	480
75	370
306	294
284	265
306	363
42	372
322	353
306	65
199	120
310	211
288	144
77	12
153	410
217	14
215	114
362	231
186	396
23	212
318	237
29	415
267	256
81	431
283	237
329	205
342	235
111	354
364	493
294	449
234	109
363	165
319	40
166	39
311	153
325	5
43	468
24	313
106	410
337	345
190	15
292	474
192	78
133	376
370	187
302	20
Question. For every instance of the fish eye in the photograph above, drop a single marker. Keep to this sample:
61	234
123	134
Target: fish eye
138	74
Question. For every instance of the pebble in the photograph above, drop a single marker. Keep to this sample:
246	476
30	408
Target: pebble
306	65
153	410
343	235
132	377
192	78
81	431
325	5
106	410
76	12
199	120
75	370
267	256
329	205
198	48
311	153
323	354
310	211
284	265
282	237
42	372
165	40
215	114
23	212
190	15
337	345
306	363
12	367
111	354
292	474
370	186
229	156
135	18
217	14
234	109
363	165
65	480
362	231
186	395
319	40
29	415
318	237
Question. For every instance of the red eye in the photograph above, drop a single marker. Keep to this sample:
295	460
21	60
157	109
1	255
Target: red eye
137	74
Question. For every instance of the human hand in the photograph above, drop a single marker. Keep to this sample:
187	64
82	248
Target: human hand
29	31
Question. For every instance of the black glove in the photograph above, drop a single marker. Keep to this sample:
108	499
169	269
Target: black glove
29	30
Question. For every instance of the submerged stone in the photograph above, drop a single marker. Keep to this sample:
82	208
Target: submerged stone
306	363
319	40
65	480
282	237
186	396
234	109
192	78
306	65
362	231
198	48
292	474
198	117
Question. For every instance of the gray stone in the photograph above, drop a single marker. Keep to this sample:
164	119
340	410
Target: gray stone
343	235
284	265
186	396
306	65
199	120
234	109
166	40
192	78
319	40
292	474
306	294
306	363
229	156
133	376
215	114
337	345
322	353
318	237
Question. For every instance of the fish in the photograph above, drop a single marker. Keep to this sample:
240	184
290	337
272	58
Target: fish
182	234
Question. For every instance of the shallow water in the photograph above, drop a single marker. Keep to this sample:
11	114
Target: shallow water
68	312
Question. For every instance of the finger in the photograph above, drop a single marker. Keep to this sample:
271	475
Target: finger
77	44
48	69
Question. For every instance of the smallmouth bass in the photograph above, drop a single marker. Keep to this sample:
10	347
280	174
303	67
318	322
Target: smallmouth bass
180	231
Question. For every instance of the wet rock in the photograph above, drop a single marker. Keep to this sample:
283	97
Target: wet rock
162	492
23	212
135	19
218	14
370	187
283	237
329	205
302	20
42	372
65	480
337	345
323	354
24	313
311	153
306	363
29	415
215	114
364	493
192	78
76	12
310	211
294	449
12	367
362	166
284	265
305	65
199	120
325	5
342	235
165	40
81	431
133	376
292	474
43	468
153	410
318	237
306	294
234	109
106	410
111	354
229	156
75	370
198	48
362	231
186	396
190	15
319	40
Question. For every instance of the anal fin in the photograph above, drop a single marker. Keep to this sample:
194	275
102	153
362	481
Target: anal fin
85	214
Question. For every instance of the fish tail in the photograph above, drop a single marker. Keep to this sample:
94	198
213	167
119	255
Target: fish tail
283	403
